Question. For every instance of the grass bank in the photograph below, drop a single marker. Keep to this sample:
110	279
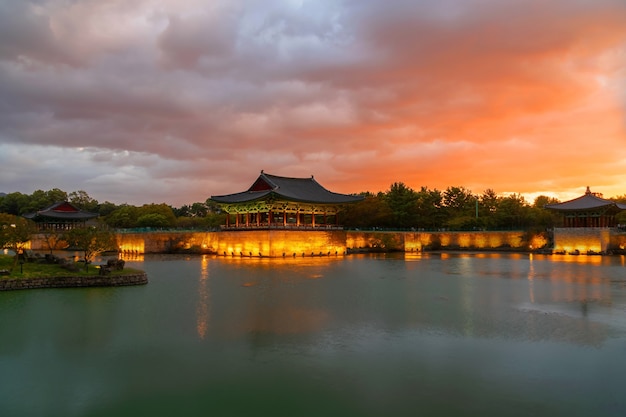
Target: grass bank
40	269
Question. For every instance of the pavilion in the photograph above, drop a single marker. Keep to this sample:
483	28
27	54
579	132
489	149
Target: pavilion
283	202
589	225
61	216
588	210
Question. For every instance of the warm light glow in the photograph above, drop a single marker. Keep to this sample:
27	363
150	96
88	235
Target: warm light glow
538	241
581	240
276	244
133	247
203	312
464	240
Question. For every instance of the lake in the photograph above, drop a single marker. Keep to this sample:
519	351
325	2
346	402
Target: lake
450	334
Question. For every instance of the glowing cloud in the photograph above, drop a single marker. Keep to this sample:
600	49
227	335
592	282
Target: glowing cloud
174	101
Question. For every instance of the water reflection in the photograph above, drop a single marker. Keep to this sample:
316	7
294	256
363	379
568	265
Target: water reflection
512	296
203	312
262	298
382	334
531	277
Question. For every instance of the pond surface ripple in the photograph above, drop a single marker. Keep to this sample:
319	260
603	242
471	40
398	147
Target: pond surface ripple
434	334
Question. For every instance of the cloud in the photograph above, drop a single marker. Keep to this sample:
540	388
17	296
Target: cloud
177	100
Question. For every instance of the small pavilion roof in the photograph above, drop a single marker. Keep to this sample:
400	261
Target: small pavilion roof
588	201
306	190
62	211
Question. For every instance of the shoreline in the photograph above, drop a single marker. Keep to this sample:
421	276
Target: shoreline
74	281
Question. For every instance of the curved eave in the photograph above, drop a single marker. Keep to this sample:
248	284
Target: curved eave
244	197
311	201
586	202
61	216
565	207
251	196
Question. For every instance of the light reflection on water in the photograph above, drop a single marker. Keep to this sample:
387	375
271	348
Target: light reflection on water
436	334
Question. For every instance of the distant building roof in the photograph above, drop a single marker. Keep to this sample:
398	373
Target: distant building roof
305	190
588	201
62	211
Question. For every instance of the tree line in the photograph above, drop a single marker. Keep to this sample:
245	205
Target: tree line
399	207
455	208
197	215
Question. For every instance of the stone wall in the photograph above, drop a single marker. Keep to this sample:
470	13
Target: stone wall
165	242
278	243
617	241
583	239
73	281
419	241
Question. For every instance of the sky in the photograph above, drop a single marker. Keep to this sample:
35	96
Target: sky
173	101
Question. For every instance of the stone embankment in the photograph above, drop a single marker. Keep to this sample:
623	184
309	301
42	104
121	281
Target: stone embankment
73	281
300	243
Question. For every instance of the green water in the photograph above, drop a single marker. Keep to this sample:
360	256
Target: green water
439	334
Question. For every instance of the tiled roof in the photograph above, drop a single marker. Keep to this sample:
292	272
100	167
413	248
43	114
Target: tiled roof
62	210
305	190
587	201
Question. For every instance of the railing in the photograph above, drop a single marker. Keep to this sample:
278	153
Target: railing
280	226
167	229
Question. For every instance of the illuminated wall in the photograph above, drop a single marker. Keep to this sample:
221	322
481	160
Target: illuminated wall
394	241
419	241
472	240
263	243
618	240
163	242
278	243
582	239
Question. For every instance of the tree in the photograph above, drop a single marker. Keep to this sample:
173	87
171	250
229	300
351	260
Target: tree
460	207
15	233
41	199
52	238
91	241
428	208
165	218
156	215
402	202
372	211
487	208
14	203
513	212
543	218
82	200
124	216
543	200
106	208
152	220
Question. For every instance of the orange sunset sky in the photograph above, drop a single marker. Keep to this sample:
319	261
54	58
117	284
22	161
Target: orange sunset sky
174	101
